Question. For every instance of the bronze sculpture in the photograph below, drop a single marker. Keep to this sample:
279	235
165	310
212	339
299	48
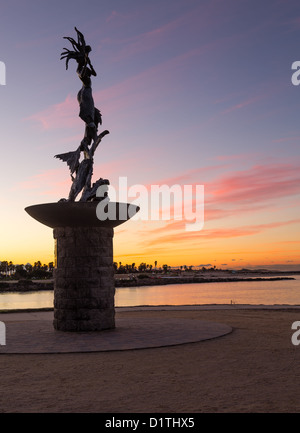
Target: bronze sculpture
84	285
81	172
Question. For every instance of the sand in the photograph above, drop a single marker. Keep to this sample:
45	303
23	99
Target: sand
253	369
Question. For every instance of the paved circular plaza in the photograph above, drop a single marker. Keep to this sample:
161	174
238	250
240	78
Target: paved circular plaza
33	332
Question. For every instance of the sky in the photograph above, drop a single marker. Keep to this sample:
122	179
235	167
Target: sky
193	92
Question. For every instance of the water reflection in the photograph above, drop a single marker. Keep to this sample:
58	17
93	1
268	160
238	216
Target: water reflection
18	301
255	292
245	292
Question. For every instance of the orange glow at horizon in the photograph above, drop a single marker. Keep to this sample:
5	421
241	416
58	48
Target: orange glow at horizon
130	247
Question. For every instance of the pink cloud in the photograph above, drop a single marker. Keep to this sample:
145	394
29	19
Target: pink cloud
115	168
235	195
116	97
121	96
218	233
244	104
131	91
257	184
226	98
200	16
112	16
190	175
238	157
49	182
61	115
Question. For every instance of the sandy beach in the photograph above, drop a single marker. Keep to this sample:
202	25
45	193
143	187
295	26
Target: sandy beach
253	369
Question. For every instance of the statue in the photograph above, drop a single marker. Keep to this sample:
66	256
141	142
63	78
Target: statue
83	278
81	172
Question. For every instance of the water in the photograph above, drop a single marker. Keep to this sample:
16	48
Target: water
241	292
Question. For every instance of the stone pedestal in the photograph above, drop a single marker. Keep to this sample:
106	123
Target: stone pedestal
84	286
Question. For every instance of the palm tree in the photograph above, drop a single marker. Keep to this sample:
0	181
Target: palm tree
37	265
28	267
142	267
20	271
4	267
11	267
165	268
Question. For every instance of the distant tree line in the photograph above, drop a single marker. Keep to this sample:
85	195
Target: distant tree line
142	267
36	271
145	267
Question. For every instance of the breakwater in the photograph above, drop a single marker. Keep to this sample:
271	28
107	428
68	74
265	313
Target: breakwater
29	286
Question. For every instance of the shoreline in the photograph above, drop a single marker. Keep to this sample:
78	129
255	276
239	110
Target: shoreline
189	280
22	286
169	307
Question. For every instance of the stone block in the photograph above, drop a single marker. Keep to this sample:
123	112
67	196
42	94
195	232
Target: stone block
84	279
106	322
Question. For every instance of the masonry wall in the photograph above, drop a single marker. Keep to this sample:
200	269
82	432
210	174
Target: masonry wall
84	287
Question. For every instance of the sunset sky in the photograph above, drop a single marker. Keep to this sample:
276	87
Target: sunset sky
193	92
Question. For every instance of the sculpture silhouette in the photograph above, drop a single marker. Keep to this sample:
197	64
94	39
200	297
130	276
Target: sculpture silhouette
82	181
